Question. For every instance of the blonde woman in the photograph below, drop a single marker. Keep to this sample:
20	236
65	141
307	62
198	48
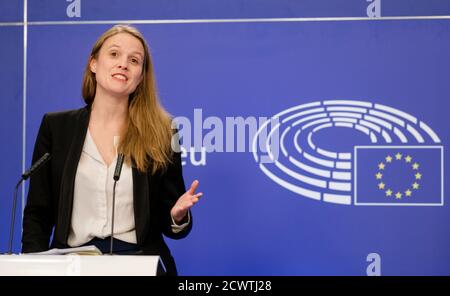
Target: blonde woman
71	196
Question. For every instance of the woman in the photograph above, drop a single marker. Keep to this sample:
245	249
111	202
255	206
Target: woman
73	192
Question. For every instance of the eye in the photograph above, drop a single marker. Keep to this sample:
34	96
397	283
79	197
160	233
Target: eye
134	61
113	53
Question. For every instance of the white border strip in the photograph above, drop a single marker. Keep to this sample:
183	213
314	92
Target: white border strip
24	100
11	24
237	20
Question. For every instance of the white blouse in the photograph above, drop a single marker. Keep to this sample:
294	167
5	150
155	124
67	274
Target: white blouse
92	199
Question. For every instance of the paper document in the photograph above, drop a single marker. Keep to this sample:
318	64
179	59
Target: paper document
86	250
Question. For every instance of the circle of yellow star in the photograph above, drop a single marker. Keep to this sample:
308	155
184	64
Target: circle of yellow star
384	165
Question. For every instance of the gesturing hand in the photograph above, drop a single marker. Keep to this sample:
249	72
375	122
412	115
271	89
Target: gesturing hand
185	202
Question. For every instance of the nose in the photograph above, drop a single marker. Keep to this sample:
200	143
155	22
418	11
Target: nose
123	64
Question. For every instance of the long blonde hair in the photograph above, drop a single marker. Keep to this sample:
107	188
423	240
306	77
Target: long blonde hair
147	139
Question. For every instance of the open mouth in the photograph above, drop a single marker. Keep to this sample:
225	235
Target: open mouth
120	77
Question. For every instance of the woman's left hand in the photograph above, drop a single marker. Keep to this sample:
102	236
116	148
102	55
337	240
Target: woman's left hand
185	202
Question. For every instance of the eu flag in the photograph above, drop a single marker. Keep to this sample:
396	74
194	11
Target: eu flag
398	176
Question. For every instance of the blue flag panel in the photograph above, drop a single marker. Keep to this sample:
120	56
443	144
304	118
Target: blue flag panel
399	175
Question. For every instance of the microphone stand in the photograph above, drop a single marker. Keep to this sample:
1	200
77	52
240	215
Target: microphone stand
118	170
13	217
112	218
34	168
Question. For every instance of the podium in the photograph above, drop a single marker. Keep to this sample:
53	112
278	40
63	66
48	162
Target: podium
80	265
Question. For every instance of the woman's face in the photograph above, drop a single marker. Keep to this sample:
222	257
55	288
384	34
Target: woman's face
118	67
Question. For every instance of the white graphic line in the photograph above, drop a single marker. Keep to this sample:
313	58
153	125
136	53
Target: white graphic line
341	186
326	153
315	122
11	24
310	142
300	114
283	149
373	137
370	125
325	163
343	165
310	169
300	177
396	112
344	124
430	132
297	146
321	115
345	114
255	139
346	156
386	136
400	135
415	133
379	121
342	176
343	119
241	20
322	126
269	151
349	109
362	129
338	199
388	117
24	98
297	189
299	107
245	20
351	103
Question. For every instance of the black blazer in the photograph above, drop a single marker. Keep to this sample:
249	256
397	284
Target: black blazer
50	196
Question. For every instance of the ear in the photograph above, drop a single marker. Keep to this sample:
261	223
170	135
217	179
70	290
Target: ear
93	65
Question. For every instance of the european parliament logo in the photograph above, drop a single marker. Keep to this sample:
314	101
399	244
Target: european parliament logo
400	163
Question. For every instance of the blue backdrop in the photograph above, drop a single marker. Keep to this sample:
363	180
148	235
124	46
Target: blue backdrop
247	59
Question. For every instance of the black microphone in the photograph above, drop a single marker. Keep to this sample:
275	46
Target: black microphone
34	168
117	171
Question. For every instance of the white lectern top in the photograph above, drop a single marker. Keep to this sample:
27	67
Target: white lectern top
76	265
